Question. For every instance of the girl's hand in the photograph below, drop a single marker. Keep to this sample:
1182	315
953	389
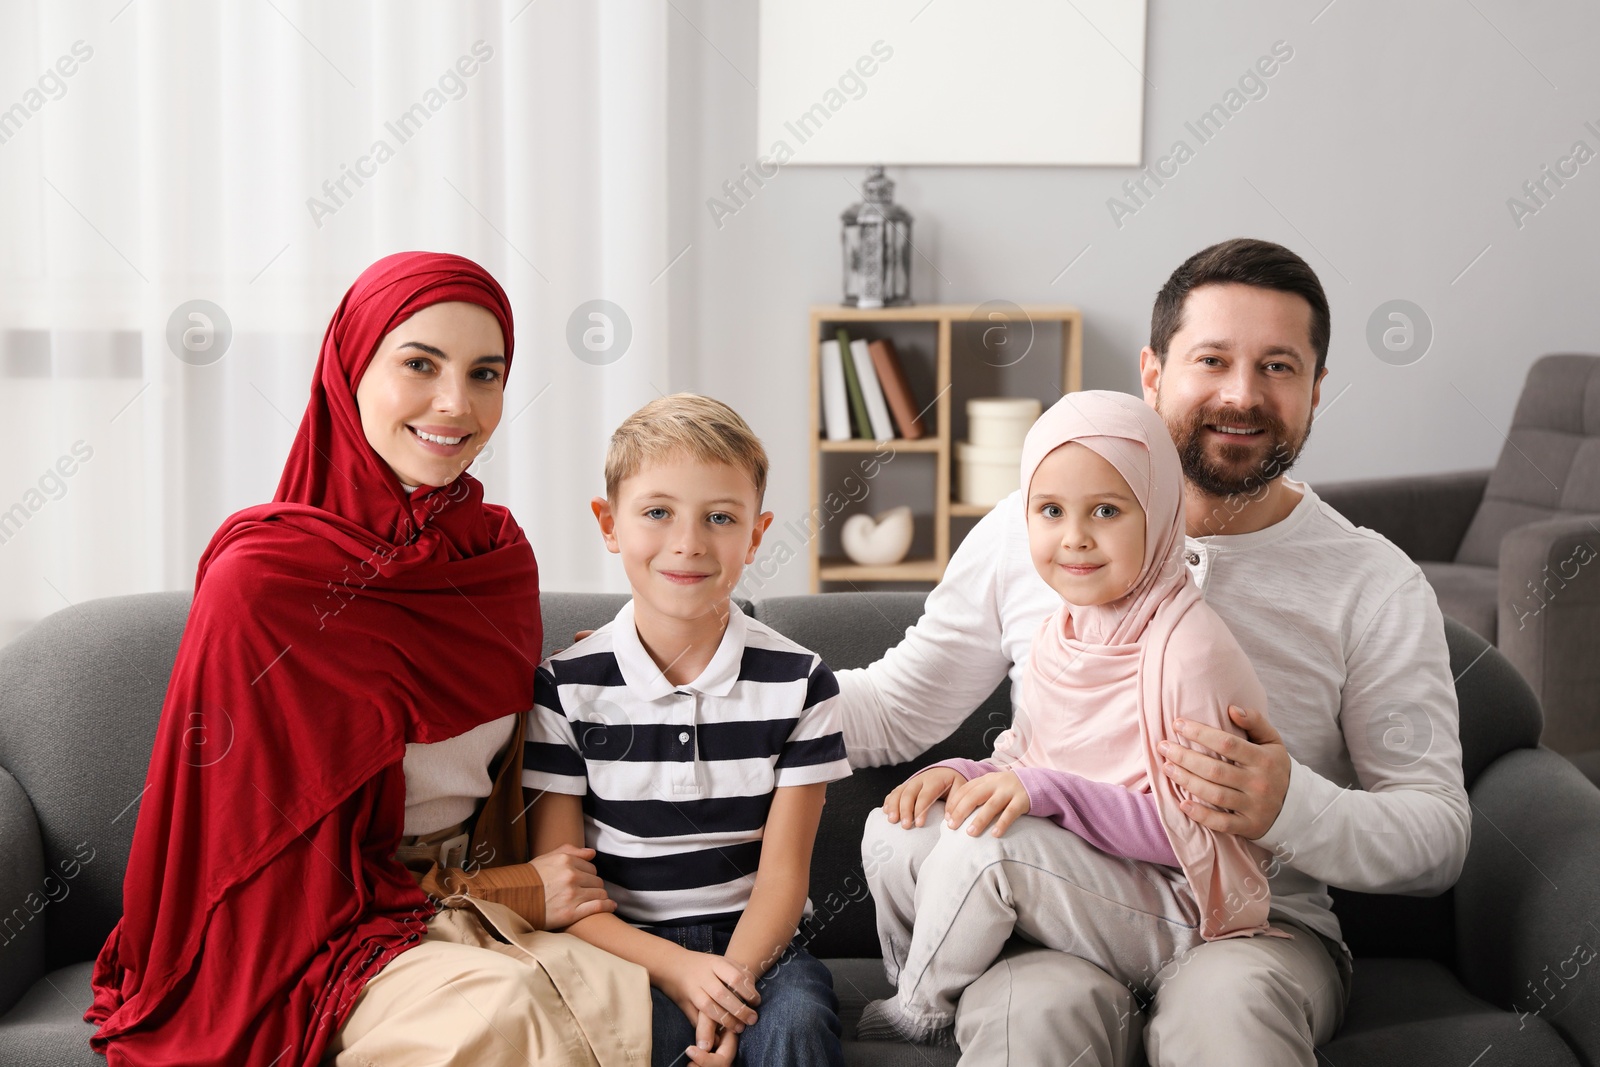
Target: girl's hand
572	889
709	1049
998	796
908	804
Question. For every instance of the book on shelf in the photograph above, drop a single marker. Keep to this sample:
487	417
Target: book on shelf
835	402
897	390
871	391
852	384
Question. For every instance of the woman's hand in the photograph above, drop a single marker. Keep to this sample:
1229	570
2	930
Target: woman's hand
572	889
997	796
710	1048
706	985
909	802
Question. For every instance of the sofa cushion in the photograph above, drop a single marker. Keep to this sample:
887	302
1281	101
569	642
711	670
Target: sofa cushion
1468	594
564	614
1414	1012
80	696
46	1028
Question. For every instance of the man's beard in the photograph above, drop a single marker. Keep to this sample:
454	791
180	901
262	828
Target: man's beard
1232	468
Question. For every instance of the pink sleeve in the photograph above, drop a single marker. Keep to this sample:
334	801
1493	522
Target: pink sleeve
1109	817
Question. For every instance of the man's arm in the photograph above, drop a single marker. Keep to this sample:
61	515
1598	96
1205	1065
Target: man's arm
945	666
1407	828
782	879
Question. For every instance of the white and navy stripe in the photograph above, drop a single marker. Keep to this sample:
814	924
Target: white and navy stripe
677	780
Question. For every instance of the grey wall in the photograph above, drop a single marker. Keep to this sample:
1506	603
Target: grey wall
1384	151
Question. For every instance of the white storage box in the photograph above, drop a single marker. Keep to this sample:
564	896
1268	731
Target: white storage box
1001	422
987	476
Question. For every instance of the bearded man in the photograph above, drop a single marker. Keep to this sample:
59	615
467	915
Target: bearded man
1355	781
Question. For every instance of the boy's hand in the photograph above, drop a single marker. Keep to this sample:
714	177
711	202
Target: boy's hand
710	1049
704	983
908	804
572	889
998	795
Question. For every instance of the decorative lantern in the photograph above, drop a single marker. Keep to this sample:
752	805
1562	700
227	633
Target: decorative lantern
877	247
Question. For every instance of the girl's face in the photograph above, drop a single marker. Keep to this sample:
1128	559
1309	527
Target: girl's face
1085	527
433	392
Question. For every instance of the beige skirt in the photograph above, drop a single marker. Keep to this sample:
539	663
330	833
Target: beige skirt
459	996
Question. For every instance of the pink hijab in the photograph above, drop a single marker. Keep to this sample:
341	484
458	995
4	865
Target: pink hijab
1187	660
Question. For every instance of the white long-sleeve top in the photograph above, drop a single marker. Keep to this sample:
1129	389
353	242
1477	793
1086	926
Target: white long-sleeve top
447	779
1346	636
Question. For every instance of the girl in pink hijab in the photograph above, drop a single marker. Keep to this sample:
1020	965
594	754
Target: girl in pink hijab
1101	861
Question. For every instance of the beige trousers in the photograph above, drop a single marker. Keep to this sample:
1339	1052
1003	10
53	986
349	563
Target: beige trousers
461	997
1242	1001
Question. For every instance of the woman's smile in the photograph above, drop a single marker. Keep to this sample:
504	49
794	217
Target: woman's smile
440	440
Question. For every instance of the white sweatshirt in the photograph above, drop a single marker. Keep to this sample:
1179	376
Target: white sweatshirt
1346	636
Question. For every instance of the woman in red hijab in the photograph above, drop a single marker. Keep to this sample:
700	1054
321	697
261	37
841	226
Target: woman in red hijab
376	603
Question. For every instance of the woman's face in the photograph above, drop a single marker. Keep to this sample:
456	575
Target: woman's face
434	391
1085	527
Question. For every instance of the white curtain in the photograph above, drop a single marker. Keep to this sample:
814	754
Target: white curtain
258	156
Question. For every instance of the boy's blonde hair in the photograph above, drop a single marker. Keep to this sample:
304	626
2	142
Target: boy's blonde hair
704	429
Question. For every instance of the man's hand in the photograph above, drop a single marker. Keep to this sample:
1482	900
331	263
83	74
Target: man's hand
572	889
997	796
1248	783
710	1049
909	802
704	984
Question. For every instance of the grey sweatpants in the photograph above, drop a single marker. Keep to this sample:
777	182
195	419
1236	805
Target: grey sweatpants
947	903
944	918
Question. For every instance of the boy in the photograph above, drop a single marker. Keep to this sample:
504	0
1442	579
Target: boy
691	746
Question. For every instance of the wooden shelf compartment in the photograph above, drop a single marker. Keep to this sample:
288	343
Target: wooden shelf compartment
938	324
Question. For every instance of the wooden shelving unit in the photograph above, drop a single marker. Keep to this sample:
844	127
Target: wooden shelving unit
944	320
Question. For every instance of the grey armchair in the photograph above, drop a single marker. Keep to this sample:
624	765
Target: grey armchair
1514	552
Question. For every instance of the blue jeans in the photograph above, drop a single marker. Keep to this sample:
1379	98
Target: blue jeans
798	1024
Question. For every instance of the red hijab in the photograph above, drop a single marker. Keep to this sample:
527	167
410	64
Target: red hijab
329	628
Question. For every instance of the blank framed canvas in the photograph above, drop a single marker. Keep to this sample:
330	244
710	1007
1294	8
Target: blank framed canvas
1044	82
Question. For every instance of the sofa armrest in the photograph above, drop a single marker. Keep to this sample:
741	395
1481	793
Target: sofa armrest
1528	900
1427	515
1549	614
21	893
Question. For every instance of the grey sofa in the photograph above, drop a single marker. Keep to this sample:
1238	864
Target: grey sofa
1436	979
1514	553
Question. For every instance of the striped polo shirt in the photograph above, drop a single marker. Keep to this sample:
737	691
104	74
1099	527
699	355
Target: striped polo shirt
677	780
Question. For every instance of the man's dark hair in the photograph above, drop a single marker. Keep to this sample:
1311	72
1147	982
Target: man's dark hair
1241	261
